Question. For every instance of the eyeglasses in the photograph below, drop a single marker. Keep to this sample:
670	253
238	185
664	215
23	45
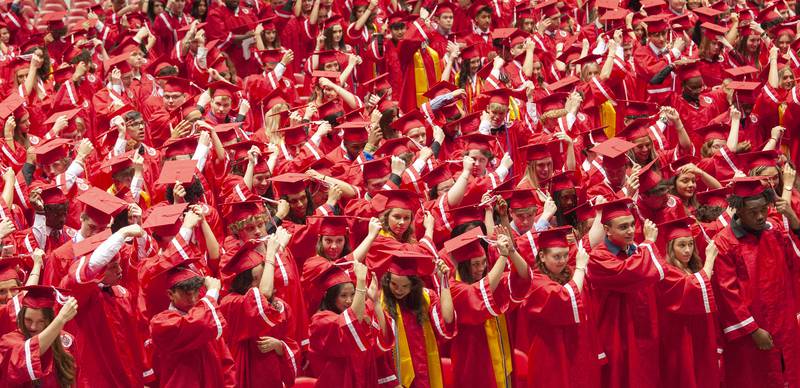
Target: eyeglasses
135	124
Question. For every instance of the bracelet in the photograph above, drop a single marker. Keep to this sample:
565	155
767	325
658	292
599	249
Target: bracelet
581	269
788	188
364	290
270	262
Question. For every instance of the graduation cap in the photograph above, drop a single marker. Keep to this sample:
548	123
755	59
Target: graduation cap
740	73
537	151
178	147
226	132
393	147
553	238
649	177
233	212
613	150
246	258
594	136
40	297
681	23
397	17
767	14
376	168
656	24
335	20
583	212
706	14
520	198
437	175
721	6
52	150
615	209
715	197
174	84
289	183
70	114
565	84
321	278
440	88
294	135
477	141
760	158
225	89
749	186
552	101
101	206
324	57
9	268
10	104
636	129
713	131
466	214
471	51
465	246
670	230
354	131
637	109
478	6
409	121
389	199
54	20
468	123
177	171
562	181
63	74
330	109
713	31
330	225
654	7
118	163
119	62
380	82
176	272
745	92
548	9
163	220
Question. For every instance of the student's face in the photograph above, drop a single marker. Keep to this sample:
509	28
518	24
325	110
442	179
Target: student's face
567	200
753	42
56	216
5	36
683	248
481	161
692	4
376	184
787	79
260	183
497	116
527	25
21	75
176	6
477	267
685	185
333	246
336	33
537	70
483	20
35	321
693	87
270	35
616	174
173	100
221	105
345	298
658	39
474	65
6	292
55	168
298	202
253	230
716	145
89	227
446	20
112	273
627	50
443	186
590	70
329	94
620	230
399	285
677	4
418	135
523	218
555	259
307	5
783	42
399	221
397	33
656	200
135	129
354	148
643	149
331	66
772	176
183	300
543	168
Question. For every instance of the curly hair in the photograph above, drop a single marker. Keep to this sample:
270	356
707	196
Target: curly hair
414	301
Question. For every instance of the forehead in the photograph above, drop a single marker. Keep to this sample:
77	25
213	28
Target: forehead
754	204
400	280
622	220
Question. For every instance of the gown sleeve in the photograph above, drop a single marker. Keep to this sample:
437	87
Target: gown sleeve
338	335
686	294
554	303
443	330
624	275
735	316
21	358
201	324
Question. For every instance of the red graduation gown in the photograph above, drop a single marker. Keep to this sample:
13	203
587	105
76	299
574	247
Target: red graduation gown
688	330
21	364
345	351
249	317
754	287
478	307
625	311
188	348
563	351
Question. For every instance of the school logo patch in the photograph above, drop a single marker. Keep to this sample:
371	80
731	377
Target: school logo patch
671	202
707	99
34	140
581	116
91	78
66	340
753	118
151	151
82	185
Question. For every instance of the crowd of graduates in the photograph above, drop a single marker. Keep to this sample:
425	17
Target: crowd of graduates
399	193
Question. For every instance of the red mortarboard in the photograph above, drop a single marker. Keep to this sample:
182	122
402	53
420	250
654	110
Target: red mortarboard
468	123
748	186
477	141
548	8
670	230
324	57
164	219
466	246
564	84
552	101
237	211
63	74
648	177
740	73
438	175
120	62
477	6
636	129
325	277
177	272
118	163
520	198
656	24
583	212
553	238
245	259
330	225
744	91
354	131
289	183
177	170
9	269
52	151
653	7
715	197
680	22
470	52
713	131
440	88
294	135
613	151
393	147
714	31
721	6
330	108
409	121
767	14
465	214
499	96
101	206
332	21
53	195
537	151
69	113
594	136
223	88
615	209
376	168
176	85
562	181
444	7
40	297
181	146
388	199
10	104
759	158
397	17
706	14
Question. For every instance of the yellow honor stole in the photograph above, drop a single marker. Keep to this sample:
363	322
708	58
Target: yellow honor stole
402	354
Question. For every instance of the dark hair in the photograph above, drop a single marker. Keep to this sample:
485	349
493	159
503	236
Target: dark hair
63	361
663	184
120	221
167	71
466	227
132	115
692	201
561	218
396	26
328	302
243	281
309	208
387	117
706	213
195	12
328	32
194	192
414	301
738	202
464	267
188	285
44	71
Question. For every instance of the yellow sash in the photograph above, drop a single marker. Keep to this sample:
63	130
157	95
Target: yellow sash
421	81
402	354
781	111
497	334
145	197
608	117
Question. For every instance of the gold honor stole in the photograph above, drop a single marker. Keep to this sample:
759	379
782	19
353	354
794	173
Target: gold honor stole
143	194
427	72
608	117
402	355
499	347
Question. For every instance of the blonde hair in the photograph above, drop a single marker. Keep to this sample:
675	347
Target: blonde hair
272	122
